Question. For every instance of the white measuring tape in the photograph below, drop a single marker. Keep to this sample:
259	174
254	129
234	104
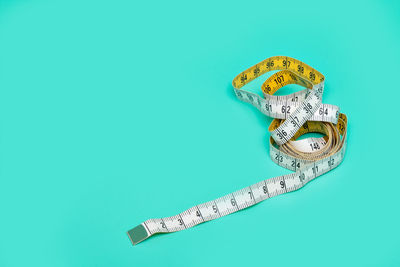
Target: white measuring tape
295	115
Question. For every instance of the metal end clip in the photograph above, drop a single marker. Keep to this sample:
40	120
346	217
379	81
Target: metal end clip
138	234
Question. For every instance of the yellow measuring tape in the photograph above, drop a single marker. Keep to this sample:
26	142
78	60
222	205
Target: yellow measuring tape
294	115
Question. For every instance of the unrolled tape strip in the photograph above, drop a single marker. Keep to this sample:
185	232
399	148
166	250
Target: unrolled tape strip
294	115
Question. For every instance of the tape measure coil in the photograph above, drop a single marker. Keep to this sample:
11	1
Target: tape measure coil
294	115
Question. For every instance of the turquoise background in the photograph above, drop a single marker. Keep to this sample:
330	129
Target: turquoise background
114	112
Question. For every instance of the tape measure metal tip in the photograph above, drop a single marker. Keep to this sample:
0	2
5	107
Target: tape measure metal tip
137	234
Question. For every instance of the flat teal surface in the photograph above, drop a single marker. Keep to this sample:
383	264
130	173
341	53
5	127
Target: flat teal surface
114	112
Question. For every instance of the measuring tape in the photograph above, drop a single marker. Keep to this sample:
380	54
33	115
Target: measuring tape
294	115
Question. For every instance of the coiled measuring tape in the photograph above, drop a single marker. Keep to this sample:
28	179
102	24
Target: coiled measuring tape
294	115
